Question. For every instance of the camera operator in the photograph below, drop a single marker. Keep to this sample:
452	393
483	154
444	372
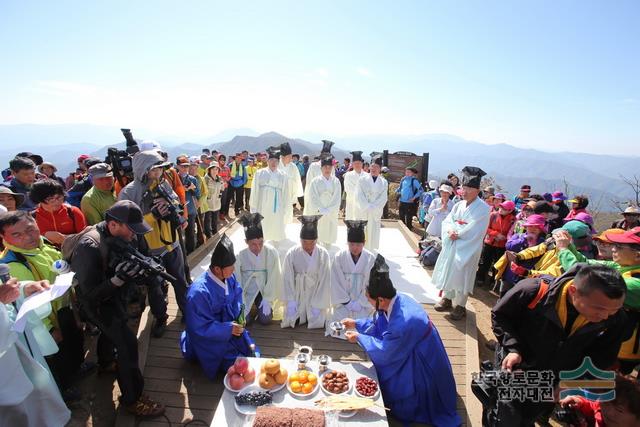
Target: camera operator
104	279
553	326
160	207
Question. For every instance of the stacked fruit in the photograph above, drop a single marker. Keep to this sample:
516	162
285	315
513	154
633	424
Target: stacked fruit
240	373
272	374
366	386
335	382
303	382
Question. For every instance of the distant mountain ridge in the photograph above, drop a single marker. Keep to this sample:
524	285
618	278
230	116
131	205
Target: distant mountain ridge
596	175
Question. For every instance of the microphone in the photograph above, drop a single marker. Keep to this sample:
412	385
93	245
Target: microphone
5	275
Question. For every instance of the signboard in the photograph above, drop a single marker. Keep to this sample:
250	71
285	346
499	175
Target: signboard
400	160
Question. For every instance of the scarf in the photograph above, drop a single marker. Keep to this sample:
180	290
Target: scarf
561	309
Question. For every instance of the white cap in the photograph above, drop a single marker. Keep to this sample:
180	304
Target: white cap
433	184
149	144
447	188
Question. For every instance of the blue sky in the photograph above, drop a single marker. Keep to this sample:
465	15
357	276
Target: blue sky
554	75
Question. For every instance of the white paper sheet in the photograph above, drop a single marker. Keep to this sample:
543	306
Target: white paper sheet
61	285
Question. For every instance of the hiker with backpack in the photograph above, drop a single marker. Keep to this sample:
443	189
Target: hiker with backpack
409	190
104	280
56	219
553	324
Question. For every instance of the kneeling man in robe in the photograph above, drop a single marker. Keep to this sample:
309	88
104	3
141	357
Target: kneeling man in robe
215	334
307	278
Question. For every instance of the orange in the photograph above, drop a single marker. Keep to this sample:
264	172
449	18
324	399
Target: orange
312	378
303	376
307	388
294	377
296	387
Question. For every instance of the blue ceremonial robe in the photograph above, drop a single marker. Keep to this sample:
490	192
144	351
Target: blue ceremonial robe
209	314
415	375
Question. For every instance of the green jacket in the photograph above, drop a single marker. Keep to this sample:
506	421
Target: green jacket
95	203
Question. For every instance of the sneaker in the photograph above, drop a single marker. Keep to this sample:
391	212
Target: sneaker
144	407
159	327
458	313
443	305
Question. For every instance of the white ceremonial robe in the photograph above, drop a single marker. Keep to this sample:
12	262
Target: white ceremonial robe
259	274
457	264
307	281
314	171
325	196
348	283
270	198
352	210
28	394
295	187
371	197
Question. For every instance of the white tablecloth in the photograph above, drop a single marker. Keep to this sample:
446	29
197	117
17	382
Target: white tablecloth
226	414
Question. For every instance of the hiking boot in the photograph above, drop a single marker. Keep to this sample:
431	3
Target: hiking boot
144	407
159	326
443	305
458	313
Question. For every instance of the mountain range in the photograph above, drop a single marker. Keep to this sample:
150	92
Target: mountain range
599	176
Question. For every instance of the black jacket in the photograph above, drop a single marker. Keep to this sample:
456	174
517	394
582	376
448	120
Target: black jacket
94	269
539	337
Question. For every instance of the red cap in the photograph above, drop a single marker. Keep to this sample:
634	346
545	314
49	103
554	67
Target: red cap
631	237
83	157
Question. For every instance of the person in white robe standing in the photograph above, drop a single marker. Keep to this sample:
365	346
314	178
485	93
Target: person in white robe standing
306	275
29	396
350	270
270	197
352	210
315	170
463	232
372	195
325	195
293	178
258	268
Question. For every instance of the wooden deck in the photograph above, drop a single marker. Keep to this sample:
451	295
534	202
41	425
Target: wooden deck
189	395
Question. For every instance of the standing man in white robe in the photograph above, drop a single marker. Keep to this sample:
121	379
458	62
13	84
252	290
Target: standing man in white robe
315	170
325	195
463	231
293	178
371	196
349	277
307	279
258	268
352	210
270	197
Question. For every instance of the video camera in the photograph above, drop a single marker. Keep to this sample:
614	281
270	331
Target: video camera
120	160
125	252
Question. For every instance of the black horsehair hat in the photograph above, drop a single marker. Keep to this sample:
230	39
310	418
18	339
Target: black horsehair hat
309	229
223	255
380	284
252	225
355	230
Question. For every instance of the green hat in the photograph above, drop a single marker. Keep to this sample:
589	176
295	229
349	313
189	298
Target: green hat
577	229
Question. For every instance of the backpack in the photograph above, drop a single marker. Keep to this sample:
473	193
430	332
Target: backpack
70	244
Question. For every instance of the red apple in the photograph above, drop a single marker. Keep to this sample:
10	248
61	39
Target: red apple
241	365
250	375
236	382
231	370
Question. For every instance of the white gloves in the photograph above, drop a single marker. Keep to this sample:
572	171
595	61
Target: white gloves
315	312
354	305
292	309
265	306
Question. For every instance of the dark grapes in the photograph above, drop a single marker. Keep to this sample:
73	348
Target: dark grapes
254	398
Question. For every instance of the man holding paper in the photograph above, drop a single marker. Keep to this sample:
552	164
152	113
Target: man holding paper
30	258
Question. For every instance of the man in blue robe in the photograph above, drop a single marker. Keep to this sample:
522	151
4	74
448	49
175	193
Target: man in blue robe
215	334
415	375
